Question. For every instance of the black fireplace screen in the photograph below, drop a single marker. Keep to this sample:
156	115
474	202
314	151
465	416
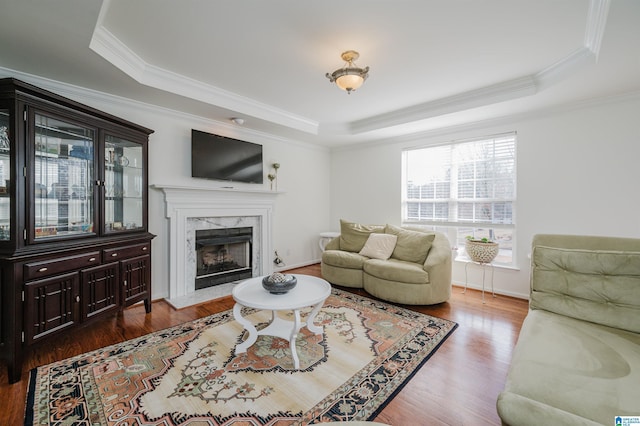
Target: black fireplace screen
223	255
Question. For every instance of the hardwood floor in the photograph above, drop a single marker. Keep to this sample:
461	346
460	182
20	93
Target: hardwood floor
457	386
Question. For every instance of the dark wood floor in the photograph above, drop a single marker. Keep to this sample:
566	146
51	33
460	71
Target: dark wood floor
457	386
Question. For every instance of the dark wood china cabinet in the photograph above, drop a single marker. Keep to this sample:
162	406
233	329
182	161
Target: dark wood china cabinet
74	241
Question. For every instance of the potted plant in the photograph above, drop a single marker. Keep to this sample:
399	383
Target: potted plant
481	250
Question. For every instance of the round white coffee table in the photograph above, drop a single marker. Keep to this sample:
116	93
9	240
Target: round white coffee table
310	291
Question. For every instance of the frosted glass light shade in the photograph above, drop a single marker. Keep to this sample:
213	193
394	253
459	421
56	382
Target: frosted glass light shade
349	82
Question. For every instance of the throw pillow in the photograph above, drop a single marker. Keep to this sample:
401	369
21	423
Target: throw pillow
379	246
412	246
354	235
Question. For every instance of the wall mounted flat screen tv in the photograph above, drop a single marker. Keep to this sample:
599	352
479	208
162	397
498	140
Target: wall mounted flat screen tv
221	158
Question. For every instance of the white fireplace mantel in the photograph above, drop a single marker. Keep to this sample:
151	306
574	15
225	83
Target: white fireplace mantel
184	204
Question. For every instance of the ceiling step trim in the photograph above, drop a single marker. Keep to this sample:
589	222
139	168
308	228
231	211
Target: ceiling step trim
113	50
596	23
499	92
504	91
108	46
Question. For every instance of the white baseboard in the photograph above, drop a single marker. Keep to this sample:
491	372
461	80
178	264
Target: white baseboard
295	265
517	295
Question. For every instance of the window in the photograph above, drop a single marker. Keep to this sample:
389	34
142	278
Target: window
464	188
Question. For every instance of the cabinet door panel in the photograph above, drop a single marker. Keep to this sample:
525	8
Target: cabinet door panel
100	289
51	305
137	280
63	178
124	183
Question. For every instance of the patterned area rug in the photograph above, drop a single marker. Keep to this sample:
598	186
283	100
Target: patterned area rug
189	374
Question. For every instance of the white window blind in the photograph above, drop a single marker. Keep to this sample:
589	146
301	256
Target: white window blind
469	186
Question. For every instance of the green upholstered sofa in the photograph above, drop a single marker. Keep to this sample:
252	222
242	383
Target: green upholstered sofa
577	359
414	270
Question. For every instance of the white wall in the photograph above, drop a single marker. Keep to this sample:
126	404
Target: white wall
301	210
578	173
301	207
300	213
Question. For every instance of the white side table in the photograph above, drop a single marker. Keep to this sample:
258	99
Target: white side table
483	266
325	237
310	291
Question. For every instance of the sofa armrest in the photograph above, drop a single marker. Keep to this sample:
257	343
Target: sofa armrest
438	261
333	244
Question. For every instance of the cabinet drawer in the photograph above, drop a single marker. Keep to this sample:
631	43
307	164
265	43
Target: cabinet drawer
126	252
59	265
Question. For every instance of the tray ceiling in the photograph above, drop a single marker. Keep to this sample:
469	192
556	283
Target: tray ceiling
433	64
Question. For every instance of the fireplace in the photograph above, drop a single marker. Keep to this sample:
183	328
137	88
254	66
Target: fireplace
222	256
192	209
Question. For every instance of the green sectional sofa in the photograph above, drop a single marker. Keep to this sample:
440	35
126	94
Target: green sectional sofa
401	265
577	359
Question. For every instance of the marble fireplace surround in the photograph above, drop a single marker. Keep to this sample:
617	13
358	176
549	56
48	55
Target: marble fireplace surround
193	208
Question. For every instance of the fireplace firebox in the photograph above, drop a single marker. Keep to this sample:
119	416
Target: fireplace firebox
223	255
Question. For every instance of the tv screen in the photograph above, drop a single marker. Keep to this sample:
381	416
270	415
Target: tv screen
221	158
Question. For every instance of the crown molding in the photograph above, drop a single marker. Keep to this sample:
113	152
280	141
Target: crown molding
564	68
596	23
500	92
502	121
93	98
108	46
504	91
105	44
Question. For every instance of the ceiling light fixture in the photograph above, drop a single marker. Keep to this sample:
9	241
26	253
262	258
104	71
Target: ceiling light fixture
349	77
238	121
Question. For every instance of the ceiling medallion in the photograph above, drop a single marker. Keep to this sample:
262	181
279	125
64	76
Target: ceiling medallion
349	77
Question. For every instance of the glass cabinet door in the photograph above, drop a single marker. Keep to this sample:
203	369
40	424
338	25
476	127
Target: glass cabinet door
5	176
123	183
63	178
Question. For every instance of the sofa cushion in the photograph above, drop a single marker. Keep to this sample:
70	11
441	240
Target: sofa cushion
412	246
574	366
396	270
518	410
353	236
379	246
601	286
343	259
